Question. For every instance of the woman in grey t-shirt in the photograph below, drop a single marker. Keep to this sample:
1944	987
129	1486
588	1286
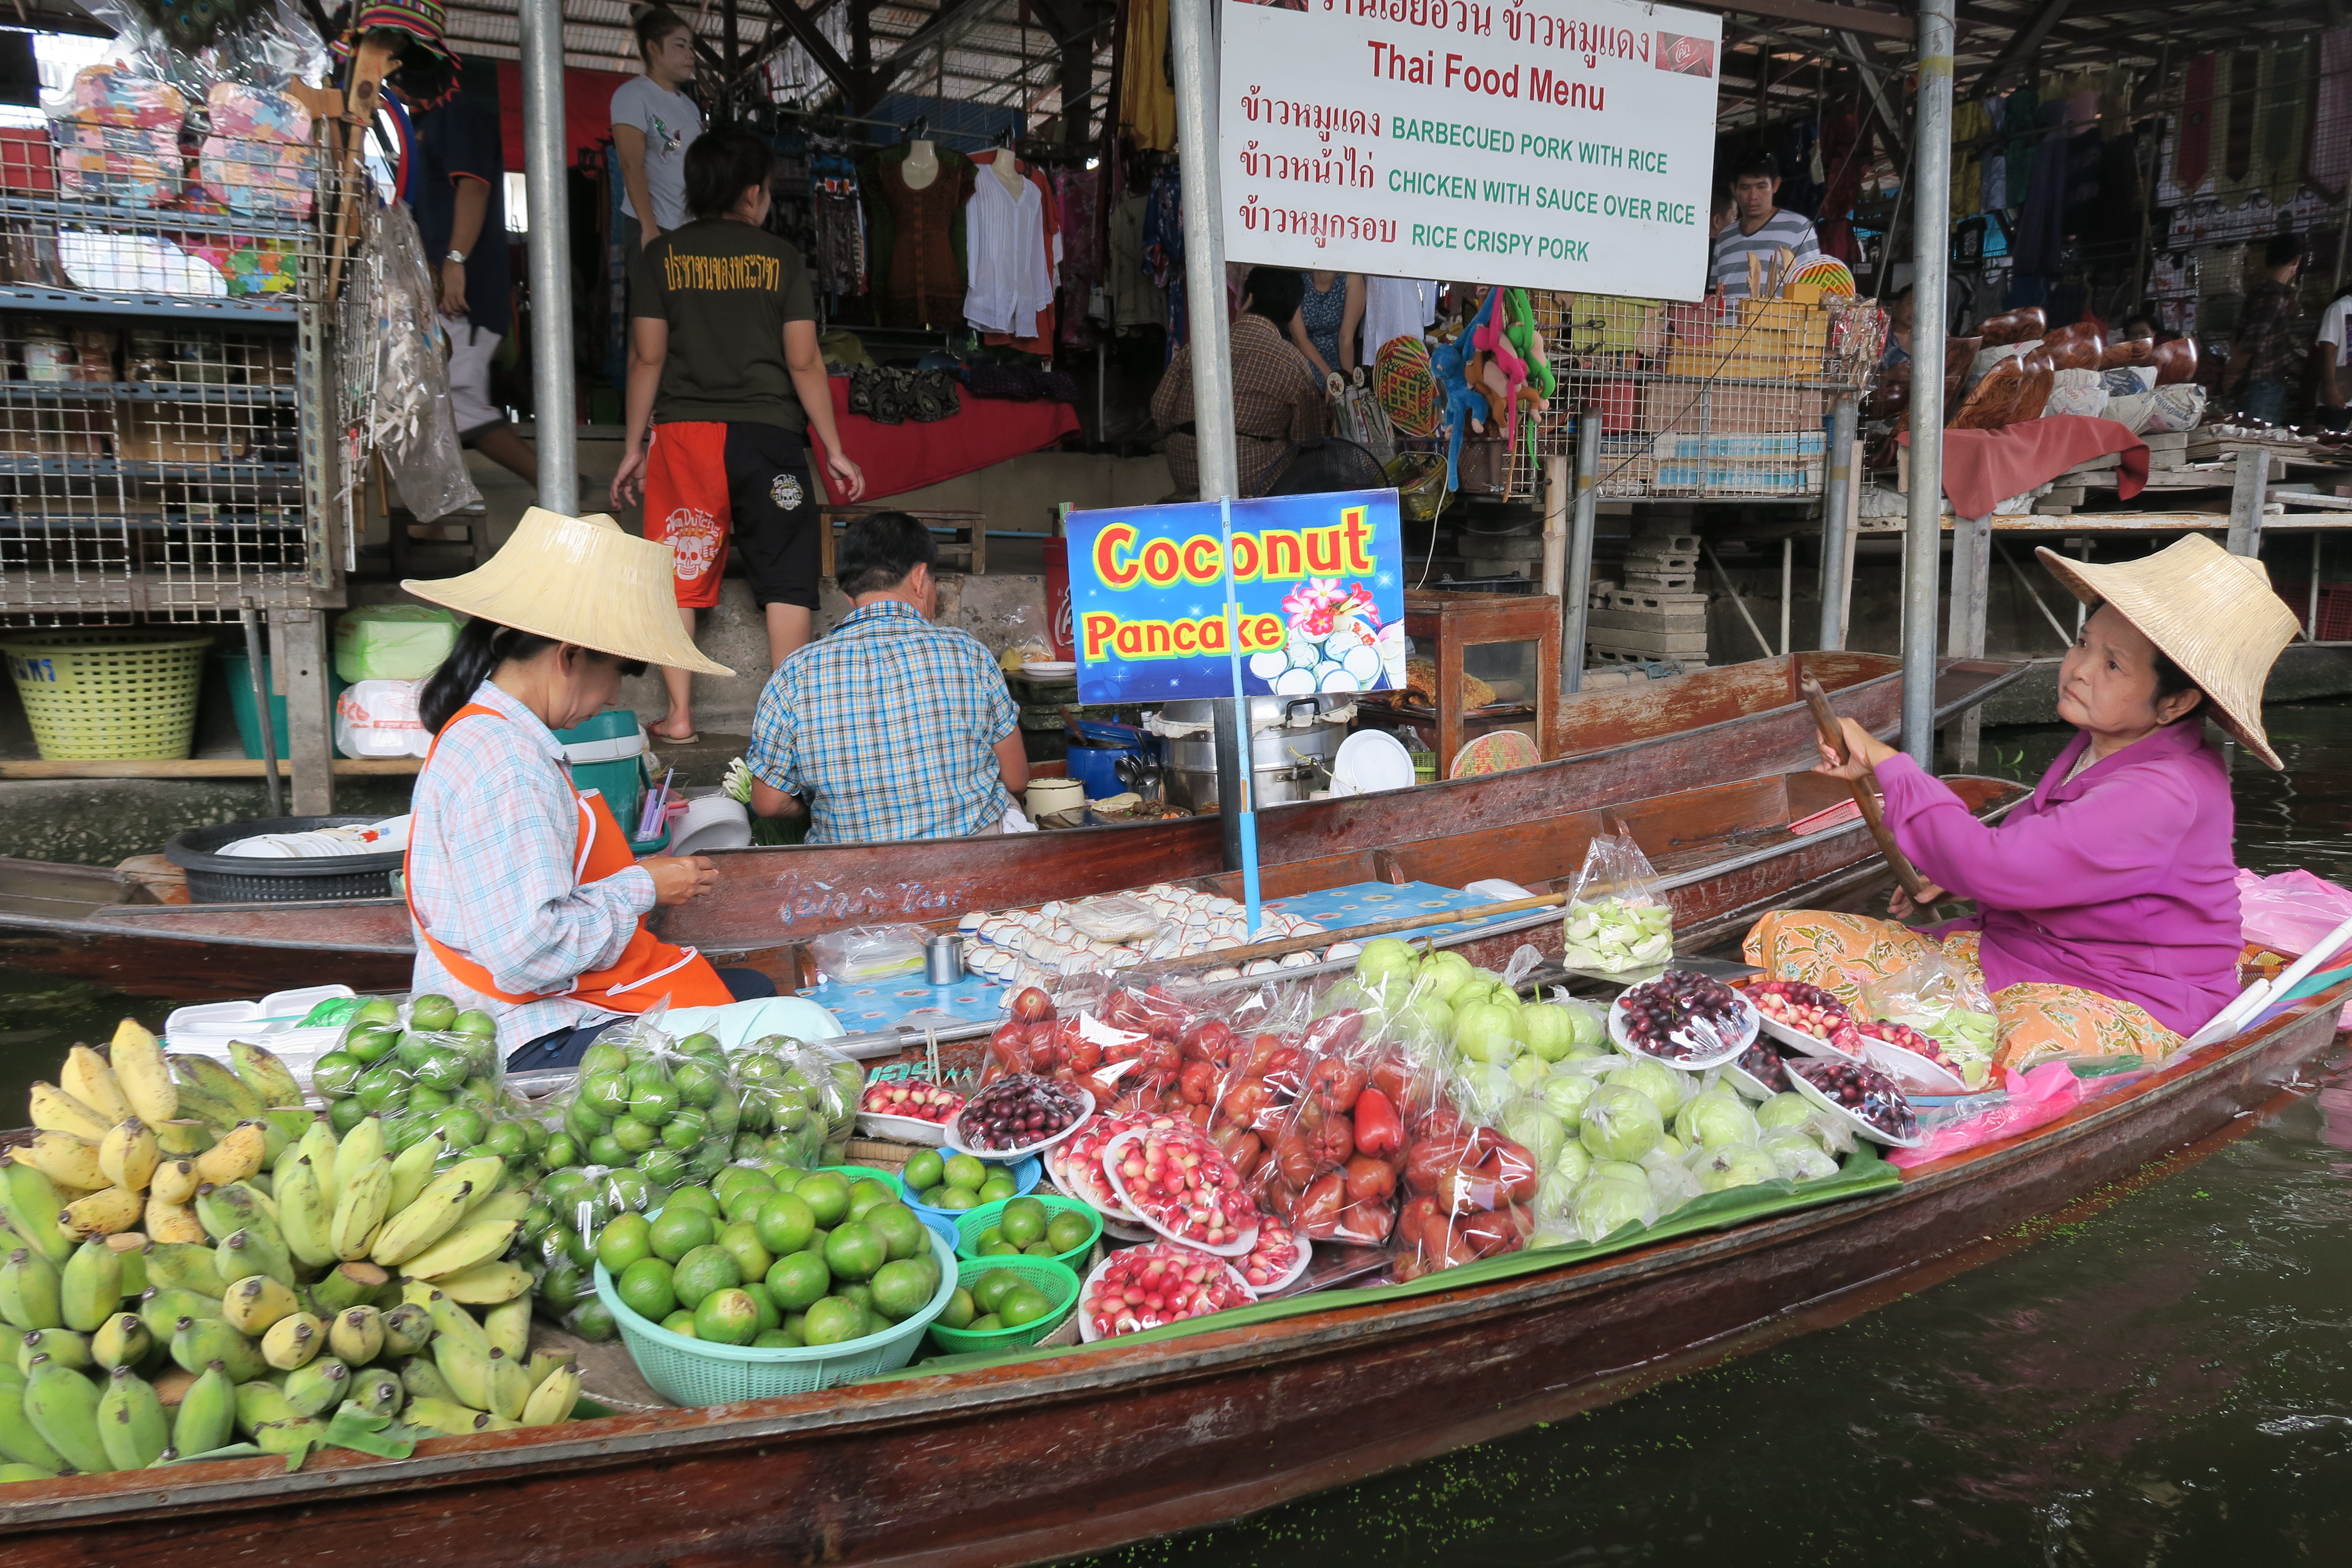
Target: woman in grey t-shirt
654	123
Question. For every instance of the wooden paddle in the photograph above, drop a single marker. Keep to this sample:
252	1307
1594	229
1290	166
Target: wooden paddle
1834	738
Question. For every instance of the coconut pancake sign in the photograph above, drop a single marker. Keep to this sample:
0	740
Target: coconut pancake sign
1317	591
1544	143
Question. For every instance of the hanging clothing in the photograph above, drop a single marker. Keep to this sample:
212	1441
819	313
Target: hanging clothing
1146	80
1079	193
837	262
1320	312
1136	299
1971	128
918	238
2192	144
2234	86
2283	120
1395	308
1164	249
2021	123
1011	276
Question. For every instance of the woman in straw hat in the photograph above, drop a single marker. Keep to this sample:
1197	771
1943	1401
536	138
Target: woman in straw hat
2106	903
526	901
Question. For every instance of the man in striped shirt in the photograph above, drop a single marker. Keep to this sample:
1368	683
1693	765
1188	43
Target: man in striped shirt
1761	230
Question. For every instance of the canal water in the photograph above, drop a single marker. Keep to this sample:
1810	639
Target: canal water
2166	1382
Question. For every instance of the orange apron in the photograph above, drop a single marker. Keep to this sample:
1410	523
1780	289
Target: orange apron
649	970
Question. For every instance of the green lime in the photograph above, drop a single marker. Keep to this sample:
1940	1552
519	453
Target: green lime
681	1322
902	1234
960	1311
786	1177
694	1197
986	1323
855	1251
1067	1231
680	1229
1019	1307
777	1339
735	1177
901	1289
662	1167
860	1292
925	1168
633	1134
606	1150
956	1200
988	1293
560	1286
1040	1250
727	1317
652	1103
369	1042
828	1197
576	1245
833	1321
592	1320
998	1188
431	1011
584	1125
647	1289
441	1069
1000	1247
798	1279
742	1201
345	1114
686	1130
507	1140
965	1172
867	1195
628	1190
701	1271
605	1093
474	1022
1022	1221
784	1222
626	1239
331	1074
601	1058
770	1315
743	1243
930	1196
698	1083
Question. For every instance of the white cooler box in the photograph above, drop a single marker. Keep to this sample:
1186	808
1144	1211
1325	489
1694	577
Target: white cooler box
274	1023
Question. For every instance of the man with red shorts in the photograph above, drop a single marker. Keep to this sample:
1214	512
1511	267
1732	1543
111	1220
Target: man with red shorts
724	374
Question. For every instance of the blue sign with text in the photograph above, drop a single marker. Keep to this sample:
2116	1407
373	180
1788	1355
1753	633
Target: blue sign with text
1318	585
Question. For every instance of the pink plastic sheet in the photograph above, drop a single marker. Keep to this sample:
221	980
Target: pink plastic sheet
2037	1097
2290	912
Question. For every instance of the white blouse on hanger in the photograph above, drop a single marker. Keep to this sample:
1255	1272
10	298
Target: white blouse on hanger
1010	278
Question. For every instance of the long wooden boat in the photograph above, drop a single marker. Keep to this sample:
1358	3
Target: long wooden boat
1082	1450
1711	727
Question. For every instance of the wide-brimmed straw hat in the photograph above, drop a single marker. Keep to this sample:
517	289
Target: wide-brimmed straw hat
579	580
2213	613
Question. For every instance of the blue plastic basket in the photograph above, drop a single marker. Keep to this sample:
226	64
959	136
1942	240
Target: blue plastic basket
1025	1177
697	1372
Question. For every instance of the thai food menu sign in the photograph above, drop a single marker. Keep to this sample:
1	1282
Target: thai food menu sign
1318	596
1547	143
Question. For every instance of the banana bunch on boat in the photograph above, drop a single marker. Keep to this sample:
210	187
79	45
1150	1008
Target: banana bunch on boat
346	1295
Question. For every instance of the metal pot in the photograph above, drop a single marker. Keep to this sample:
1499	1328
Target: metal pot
1287	763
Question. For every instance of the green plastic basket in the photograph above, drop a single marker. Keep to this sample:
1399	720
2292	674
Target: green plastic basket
108	696
856	1173
697	1372
1057	1280
972	1223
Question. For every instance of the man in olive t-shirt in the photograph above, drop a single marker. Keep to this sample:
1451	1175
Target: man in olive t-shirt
724	368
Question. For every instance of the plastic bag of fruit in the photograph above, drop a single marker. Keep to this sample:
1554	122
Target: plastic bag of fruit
1340	1155
666	1109
559	1230
815	1078
1469	1192
860	956
388	1049
1618	917
1946	1006
776	1110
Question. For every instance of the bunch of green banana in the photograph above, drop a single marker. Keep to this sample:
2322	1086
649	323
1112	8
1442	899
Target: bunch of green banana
282	1272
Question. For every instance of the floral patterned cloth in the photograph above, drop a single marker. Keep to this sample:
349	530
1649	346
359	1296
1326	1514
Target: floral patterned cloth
1842	954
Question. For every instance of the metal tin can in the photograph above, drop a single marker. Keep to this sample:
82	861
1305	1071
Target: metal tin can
943	959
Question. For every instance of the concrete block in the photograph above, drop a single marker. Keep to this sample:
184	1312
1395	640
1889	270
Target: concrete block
1654	644
1645	622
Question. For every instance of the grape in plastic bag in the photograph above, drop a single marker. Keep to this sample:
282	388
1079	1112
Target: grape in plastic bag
1618	918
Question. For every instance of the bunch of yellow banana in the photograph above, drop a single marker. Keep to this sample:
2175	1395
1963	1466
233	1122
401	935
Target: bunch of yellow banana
282	1275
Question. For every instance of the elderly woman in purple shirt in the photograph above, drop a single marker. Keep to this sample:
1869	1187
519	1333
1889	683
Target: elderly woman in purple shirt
2107	905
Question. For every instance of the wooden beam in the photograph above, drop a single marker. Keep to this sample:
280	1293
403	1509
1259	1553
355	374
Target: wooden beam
2022	46
828	59
197	768
1850	19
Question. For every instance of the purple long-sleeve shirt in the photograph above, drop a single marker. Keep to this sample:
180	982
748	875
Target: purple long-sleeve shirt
2120	880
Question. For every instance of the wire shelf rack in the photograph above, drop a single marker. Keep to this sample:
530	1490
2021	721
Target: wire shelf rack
1717	400
163	268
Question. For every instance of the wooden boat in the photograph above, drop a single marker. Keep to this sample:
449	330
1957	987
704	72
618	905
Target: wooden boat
1737	722
1086	1450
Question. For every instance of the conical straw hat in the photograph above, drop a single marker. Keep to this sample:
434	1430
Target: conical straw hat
579	580
2213	613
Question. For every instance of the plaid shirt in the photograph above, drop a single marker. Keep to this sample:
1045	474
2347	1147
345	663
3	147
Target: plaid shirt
2264	346
492	865
884	727
1277	401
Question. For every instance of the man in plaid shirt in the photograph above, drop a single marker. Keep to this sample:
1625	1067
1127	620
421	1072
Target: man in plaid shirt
2259	358
888	726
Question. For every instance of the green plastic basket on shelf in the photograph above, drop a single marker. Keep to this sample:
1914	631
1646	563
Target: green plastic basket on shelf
109	696
1057	1280
698	1372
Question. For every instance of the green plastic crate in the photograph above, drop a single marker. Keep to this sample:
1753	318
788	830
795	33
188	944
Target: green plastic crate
973	1224
697	1372
1057	1280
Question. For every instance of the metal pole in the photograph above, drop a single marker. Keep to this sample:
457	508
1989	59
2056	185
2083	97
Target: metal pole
1190	35
1583	521
1930	203
257	666
552	397
2249	490
1837	521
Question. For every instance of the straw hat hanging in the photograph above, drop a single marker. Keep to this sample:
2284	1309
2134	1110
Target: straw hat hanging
579	580
2214	614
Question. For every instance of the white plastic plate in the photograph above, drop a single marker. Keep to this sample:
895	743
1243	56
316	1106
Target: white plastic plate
1804	1086
1810	1044
1910	1070
1749	1019
1088	1333
901	1129
954	1138
1110	1154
